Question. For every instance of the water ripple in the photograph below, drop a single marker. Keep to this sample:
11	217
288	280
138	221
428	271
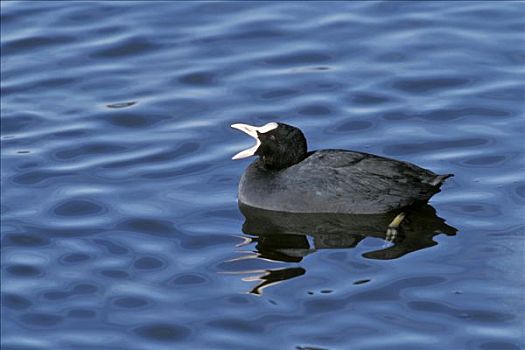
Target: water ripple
120	227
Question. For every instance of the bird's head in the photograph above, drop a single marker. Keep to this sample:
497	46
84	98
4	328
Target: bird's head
278	145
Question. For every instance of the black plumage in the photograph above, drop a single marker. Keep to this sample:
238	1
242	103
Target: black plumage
287	178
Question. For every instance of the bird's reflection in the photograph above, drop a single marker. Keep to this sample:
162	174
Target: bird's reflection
283	237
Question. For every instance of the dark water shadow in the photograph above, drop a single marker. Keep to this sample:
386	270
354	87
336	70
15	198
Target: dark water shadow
284	237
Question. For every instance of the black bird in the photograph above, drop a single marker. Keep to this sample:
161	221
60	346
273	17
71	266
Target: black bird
288	178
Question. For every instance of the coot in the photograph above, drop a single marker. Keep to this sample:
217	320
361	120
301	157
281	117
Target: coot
286	177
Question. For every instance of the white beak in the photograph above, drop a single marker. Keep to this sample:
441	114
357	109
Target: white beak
252	131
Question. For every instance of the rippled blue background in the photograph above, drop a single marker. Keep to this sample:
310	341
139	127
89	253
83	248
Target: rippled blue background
120	222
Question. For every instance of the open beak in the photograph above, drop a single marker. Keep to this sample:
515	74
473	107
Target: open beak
252	131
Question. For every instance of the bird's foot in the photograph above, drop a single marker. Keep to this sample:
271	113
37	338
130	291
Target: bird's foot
393	228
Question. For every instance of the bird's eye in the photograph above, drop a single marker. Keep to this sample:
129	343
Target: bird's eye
272	137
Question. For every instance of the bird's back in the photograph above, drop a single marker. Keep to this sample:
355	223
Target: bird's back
339	181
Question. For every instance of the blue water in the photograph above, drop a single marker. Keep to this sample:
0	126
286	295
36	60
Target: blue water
120	224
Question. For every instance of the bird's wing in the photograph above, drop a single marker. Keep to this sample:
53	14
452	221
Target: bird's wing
366	178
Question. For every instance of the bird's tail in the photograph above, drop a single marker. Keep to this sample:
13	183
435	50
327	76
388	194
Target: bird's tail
438	180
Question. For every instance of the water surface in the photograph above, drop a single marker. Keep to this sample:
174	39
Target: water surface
120	224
